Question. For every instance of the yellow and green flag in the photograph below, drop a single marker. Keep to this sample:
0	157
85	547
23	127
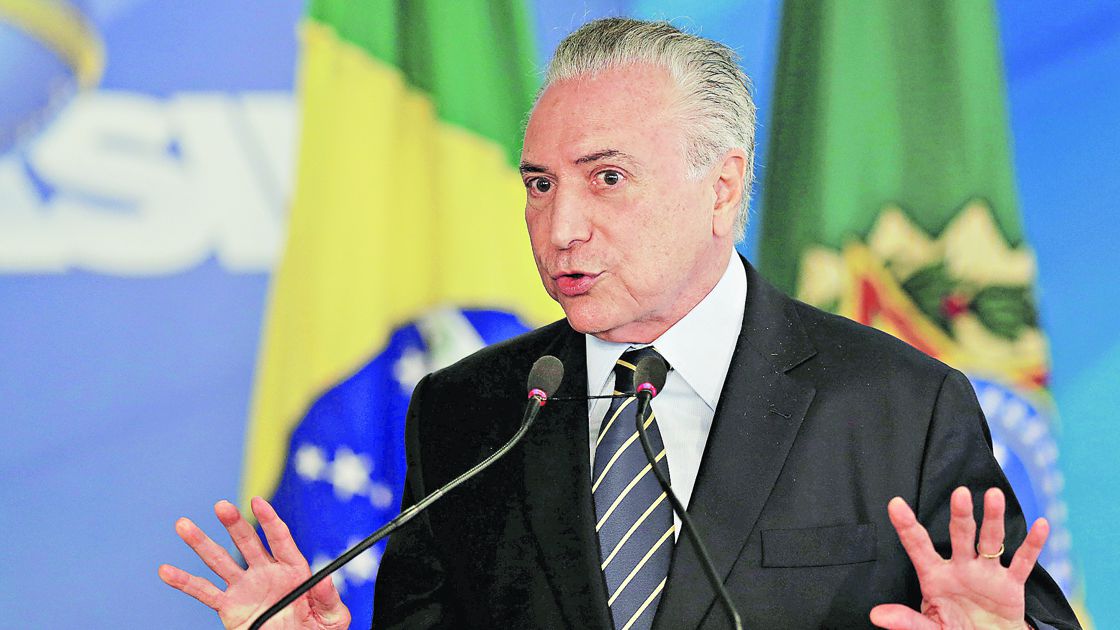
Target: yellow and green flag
406	249
890	198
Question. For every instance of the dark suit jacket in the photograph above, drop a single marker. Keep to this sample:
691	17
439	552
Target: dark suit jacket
821	421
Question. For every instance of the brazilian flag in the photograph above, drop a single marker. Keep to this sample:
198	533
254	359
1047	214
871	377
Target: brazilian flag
890	198
406	250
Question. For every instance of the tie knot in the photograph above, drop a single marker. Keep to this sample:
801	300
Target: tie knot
624	367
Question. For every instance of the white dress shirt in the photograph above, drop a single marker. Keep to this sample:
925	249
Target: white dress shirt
699	349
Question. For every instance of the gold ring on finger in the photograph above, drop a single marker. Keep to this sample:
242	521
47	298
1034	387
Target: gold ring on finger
990	556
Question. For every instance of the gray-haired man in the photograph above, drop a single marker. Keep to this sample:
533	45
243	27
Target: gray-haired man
786	431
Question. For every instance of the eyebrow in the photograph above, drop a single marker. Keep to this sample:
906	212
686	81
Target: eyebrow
529	167
605	153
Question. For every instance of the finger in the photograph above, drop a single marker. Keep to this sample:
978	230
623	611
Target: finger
242	534
914	538
279	536
991	530
192	585
213	554
1027	553
962	524
899	617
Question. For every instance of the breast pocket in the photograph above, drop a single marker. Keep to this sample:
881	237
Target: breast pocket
818	546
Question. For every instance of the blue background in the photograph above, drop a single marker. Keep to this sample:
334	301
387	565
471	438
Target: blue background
124	399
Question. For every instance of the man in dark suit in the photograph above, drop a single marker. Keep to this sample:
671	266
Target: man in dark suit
786	430
821	421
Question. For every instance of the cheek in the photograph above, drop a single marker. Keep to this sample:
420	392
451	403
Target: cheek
535	225
673	245
676	226
644	269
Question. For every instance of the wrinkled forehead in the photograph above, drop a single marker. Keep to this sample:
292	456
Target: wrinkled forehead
623	102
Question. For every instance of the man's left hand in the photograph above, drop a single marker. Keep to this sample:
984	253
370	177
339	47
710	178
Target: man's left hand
972	589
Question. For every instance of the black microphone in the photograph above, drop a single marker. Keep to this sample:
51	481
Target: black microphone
649	376
544	379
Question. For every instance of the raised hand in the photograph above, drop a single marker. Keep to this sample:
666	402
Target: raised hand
249	592
972	589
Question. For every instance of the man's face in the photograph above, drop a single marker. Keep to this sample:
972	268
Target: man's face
622	237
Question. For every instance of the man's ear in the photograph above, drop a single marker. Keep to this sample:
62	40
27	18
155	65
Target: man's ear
728	179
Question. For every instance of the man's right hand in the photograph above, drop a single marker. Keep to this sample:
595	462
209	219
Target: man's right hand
249	592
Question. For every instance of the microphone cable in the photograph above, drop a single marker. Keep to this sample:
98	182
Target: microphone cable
650	374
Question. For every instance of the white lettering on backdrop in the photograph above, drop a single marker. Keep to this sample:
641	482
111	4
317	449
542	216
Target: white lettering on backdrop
128	184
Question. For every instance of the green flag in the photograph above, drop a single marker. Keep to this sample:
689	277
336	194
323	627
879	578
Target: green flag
890	199
405	203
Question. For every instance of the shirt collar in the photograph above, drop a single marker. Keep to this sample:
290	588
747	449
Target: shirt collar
699	346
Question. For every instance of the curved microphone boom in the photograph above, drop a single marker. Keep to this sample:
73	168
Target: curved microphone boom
649	375
544	379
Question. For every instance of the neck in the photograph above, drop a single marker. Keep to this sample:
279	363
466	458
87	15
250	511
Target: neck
647	330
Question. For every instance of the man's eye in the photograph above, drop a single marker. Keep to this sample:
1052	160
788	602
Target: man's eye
540	185
610	178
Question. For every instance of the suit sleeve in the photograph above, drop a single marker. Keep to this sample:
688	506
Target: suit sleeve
411	589
959	452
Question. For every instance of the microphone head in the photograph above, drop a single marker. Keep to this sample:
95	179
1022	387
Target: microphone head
546	375
650	374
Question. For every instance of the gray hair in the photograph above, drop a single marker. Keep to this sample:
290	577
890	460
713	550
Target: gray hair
716	97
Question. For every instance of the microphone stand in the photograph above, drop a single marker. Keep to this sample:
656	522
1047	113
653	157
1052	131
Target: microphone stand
644	396
536	401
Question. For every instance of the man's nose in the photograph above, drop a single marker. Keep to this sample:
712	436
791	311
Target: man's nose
571	222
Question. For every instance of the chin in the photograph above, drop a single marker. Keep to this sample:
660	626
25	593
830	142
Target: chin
606	326
585	325
585	318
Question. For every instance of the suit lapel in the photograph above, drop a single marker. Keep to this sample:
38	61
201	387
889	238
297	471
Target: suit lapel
756	421
558	494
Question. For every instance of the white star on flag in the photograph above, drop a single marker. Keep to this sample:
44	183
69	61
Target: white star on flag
410	368
1000	451
310	462
380	495
350	473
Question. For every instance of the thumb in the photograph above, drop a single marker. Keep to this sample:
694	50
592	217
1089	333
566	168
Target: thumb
327	605
899	617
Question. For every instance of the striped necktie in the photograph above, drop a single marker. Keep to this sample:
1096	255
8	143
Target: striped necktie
634	518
